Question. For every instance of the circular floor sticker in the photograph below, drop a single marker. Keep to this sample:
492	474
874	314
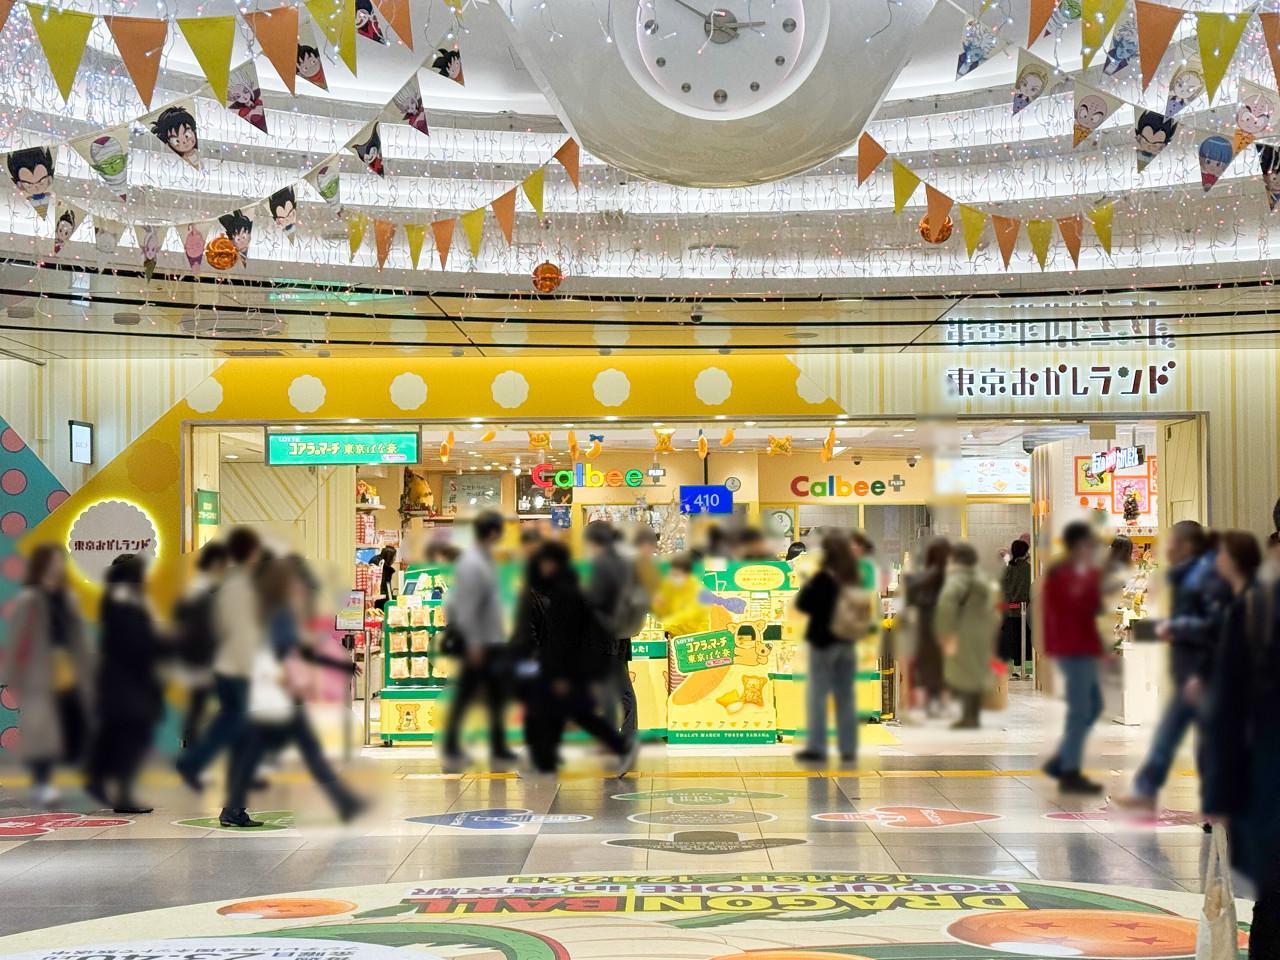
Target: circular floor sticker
683	915
701	818
286	908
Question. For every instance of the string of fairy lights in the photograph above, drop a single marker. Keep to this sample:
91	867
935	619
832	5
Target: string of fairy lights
821	225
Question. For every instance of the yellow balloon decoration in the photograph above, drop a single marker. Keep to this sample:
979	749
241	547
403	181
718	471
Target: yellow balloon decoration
779	446
594	450
662	442
539	440
727	438
702	445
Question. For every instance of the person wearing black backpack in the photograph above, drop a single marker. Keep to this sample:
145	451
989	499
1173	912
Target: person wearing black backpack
618	599
197	637
839	611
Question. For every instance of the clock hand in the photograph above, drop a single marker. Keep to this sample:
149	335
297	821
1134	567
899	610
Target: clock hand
692	9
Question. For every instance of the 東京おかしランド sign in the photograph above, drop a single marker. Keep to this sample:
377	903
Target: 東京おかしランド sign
301	449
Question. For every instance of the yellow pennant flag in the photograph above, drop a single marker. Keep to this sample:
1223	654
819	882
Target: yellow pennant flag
415	233
473	224
1101	217
972	222
1218	35
904	185
532	187
337	18
1097	17
357	223
1040	232
63	35
211	40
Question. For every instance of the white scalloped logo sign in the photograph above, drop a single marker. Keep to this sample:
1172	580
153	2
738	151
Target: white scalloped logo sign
106	530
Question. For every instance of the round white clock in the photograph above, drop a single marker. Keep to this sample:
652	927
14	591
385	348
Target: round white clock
724	60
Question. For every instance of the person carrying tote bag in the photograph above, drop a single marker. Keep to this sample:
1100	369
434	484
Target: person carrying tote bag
1218	937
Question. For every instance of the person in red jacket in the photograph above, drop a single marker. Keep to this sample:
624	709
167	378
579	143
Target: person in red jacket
1071	596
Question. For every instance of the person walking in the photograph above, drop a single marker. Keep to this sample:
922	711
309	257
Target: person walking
839	611
1241	729
618	600
197	637
965	623
386	558
239	636
474	609
1015	589
923	590
557	660
129	695
1198	604
48	667
1070	599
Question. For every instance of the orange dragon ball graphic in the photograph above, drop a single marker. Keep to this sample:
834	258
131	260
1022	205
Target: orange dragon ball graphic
1097	934
286	908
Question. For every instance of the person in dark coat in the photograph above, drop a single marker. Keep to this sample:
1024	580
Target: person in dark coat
612	594
129	695
196	634
1241	761
1015	588
923	591
555	668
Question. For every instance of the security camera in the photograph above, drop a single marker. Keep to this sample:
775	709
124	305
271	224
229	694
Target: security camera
857	461
695	316
1028	446
912	461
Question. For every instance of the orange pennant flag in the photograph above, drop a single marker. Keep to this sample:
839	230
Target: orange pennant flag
504	209
140	42
396	13
442	230
870	155
569	155
1271	34
1006	229
5	7
939	205
1072	229
277	33
1156	26
1041	11
384	232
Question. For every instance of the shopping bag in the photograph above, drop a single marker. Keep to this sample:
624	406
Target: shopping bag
996	696
269	702
1217	937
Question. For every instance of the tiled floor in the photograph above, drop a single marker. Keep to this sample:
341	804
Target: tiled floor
925	802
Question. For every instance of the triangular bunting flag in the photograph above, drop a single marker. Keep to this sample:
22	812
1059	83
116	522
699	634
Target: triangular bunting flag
367	23
141	43
32	171
308	64
1092	107
1072	229
904	185
107	233
473	226
1040	232
244	96
939	206
532	185
504	210
442	233
63	34
239	230
415	233
175	127
1152	132
384	231
1215	154
448	63
1269	161
406	106
1006	230
1271	35
396	13
1156	27
326	182
211	39
193	241
1256	108
150	240
1038	17
1097	17
1218	35
282	207
357	223
972	222
367	145
1123	47
568	156
977	44
1031	80
1101	217
5	7
337	20
68	218
870	155
277	33
107	154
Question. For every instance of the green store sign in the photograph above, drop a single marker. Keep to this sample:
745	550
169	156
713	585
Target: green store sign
208	508
336	449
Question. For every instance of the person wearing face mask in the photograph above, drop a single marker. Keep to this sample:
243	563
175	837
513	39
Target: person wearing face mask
678	602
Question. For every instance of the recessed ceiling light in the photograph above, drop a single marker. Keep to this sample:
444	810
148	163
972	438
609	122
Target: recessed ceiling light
656	423
232	456
477	419
749	423
719	416
908	429
567	426
898	436
611	418
842	416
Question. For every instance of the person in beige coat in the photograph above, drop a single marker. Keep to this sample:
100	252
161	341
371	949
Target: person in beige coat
48	667
966	621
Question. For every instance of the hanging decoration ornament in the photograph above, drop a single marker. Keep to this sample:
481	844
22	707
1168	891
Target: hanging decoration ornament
727	438
702	444
221	253
573	447
941	235
662	441
488	436
597	444
779	446
539	440
546	277
829	444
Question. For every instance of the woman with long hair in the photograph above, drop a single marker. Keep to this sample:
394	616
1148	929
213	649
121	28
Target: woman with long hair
923	590
48	667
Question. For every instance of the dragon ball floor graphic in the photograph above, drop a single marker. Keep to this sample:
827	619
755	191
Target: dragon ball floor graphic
690	916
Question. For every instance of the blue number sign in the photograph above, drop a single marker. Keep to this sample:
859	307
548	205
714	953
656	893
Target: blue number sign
705	499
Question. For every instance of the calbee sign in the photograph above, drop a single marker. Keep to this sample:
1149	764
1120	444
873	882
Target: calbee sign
545	475
834	486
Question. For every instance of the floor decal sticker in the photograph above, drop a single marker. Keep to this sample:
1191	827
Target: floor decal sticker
701	818
271	820
698	797
1130	818
38	824
498	818
706	843
286	908
909	818
693	915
